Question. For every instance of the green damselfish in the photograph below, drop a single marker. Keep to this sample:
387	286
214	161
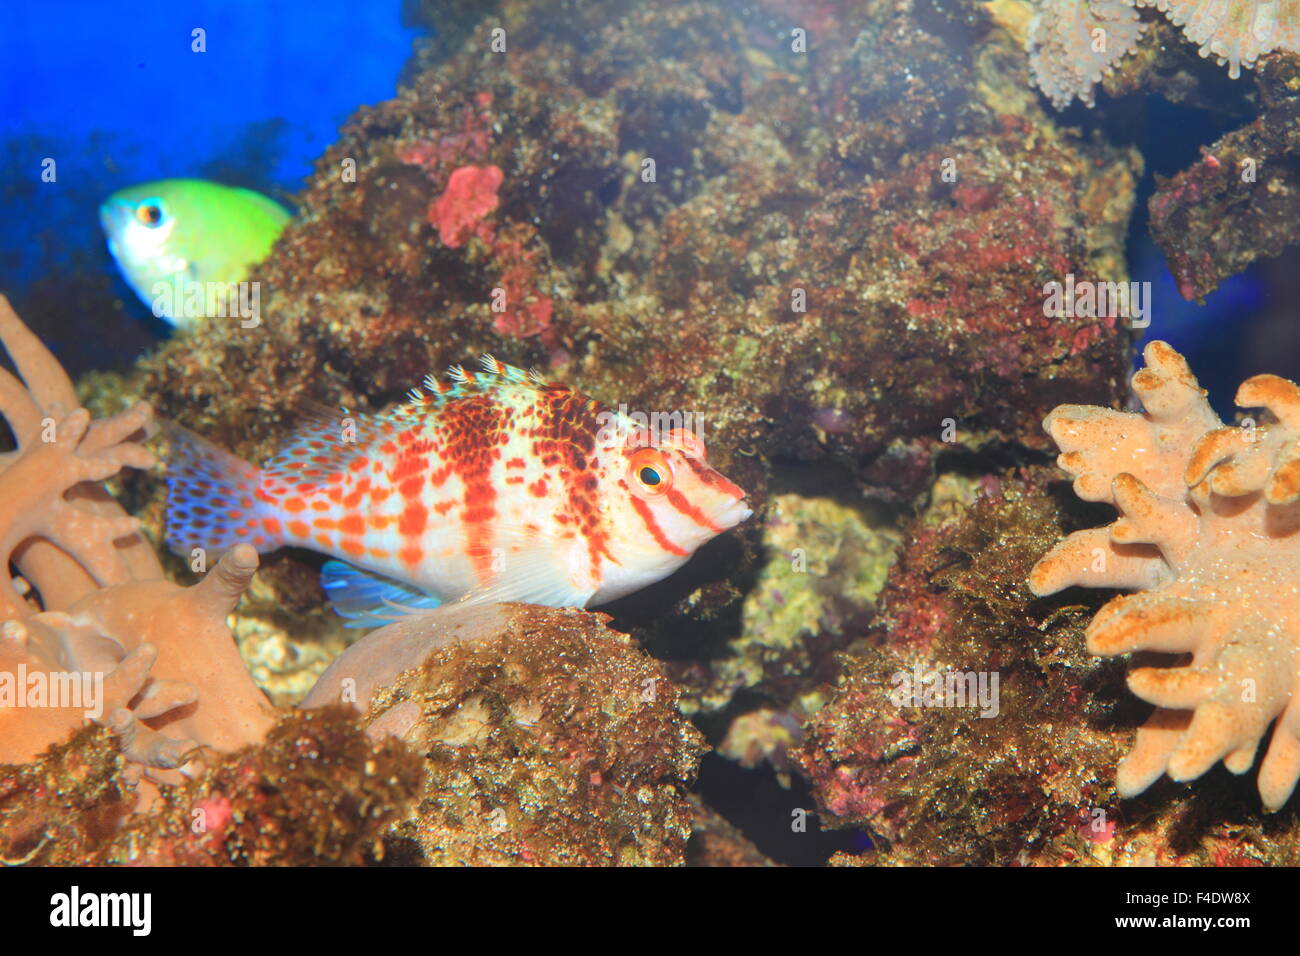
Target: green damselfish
184	245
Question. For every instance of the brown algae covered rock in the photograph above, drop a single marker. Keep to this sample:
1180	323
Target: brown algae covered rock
62	808
966	730
1238	202
316	792
670	207
824	564
546	738
912	750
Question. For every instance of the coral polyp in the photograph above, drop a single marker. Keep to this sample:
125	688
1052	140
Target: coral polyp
1064	60
1236	33
1209	537
1073	43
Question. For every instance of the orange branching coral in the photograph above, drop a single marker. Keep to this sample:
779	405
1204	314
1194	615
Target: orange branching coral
1209	536
173	682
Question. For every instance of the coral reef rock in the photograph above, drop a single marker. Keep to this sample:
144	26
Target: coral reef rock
547	738
317	791
944	778
1240	202
61	808
825	564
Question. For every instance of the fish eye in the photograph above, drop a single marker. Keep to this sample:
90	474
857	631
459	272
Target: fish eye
149	213
651	474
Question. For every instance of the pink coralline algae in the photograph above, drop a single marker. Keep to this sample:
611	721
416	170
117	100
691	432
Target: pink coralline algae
470	142
470	195
527	312
1209	538
459	214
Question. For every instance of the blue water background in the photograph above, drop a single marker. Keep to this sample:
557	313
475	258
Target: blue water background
111	90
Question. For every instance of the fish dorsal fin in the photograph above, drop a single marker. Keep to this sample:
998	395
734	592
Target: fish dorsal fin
491	375
491	365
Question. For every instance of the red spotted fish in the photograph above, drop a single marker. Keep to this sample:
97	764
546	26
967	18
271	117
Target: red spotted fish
494	486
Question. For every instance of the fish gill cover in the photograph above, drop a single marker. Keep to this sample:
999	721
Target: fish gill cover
800	284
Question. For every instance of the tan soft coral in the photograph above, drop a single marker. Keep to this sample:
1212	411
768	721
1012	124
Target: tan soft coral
64	532
93	598
1209	536
55	642
202	695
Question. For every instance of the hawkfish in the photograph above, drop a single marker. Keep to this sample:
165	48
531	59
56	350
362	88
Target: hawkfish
492	486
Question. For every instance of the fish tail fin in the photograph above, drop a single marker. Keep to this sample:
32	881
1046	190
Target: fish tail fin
212	501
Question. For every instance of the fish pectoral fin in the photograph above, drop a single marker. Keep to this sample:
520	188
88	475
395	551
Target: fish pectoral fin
367	599
533	574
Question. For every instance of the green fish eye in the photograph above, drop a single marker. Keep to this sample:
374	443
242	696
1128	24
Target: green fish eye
150	212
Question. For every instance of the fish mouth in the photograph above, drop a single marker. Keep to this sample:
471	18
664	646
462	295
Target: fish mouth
736	512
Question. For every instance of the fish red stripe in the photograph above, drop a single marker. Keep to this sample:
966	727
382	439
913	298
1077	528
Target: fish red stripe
564	440
678	501
652	526
711	477
475	436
